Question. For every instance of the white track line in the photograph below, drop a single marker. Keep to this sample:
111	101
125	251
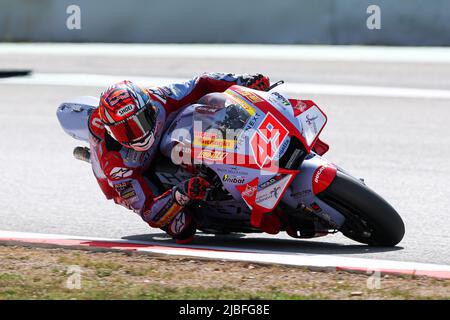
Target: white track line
331	262
103	81
237	51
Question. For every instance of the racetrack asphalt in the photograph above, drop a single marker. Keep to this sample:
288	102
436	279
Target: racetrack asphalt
400	146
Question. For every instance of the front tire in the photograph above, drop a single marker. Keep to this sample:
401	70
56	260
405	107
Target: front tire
369	218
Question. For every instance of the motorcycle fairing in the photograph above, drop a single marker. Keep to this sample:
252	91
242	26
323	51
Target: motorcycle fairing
305	124
317	173
73	116
262	200
311	120
259	182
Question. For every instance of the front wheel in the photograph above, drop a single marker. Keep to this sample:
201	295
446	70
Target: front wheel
369	218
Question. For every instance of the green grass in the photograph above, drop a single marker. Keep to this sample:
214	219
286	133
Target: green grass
43	274
6	278
13	286
106	284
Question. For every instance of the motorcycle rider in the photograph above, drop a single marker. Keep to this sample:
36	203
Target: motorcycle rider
125	131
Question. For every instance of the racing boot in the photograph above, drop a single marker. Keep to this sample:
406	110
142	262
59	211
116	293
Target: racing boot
182	228
305	229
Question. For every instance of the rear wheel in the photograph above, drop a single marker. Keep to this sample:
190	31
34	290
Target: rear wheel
369	218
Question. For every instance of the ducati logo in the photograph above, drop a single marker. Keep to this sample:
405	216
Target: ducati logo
319	172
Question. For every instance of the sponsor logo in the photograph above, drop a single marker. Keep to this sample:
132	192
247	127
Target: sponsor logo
213	155
263	197
275	191
232	170
121	186
119	173
128	195
125	110
251	123
205	139
284	146
244	134
267	195
249	191
178	223
311	121
323	177
252	97
318	173
236	180
282	99
125	190
270	182
114	97
270	196
242	103
301	106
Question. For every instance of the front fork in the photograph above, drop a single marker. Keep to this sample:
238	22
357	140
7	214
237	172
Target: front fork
316	174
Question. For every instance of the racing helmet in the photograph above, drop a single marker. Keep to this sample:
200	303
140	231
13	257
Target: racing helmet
128	115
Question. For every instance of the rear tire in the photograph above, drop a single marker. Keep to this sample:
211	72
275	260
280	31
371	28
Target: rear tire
369	218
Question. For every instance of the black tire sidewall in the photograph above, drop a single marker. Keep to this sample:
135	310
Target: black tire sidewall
388	227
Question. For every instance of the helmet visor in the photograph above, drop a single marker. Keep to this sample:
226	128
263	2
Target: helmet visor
133	128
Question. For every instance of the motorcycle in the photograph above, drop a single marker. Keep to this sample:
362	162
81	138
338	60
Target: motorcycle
261	152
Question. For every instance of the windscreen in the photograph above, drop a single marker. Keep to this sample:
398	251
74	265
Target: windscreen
221	112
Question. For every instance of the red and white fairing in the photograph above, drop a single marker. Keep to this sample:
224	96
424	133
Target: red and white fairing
249	163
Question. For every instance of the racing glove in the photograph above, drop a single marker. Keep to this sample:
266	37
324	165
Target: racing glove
257	82
189	190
